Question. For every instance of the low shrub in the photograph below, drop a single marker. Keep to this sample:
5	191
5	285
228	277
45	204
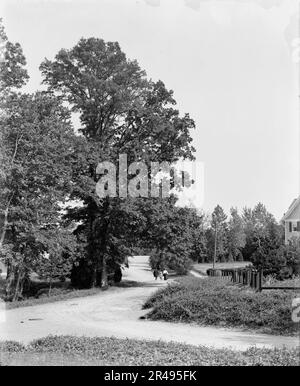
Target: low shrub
11	346
215	301
161	294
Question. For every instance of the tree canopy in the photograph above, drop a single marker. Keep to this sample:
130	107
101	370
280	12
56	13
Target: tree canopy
121	112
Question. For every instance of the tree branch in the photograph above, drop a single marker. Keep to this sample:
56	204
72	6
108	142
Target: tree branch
16	149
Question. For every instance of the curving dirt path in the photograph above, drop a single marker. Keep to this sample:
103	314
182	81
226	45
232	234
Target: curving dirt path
116	313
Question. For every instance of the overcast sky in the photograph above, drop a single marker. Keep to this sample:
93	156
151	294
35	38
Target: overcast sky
231	65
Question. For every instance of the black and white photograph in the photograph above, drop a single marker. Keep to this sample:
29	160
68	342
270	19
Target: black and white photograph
149	186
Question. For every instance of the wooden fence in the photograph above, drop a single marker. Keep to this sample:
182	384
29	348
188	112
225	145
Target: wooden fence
245	276
250	277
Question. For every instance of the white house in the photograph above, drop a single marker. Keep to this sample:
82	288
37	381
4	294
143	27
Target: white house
292	221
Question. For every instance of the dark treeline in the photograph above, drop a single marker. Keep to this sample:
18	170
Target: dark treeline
253	235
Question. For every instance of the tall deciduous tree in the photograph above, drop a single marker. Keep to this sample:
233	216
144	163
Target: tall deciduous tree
13	73
37	149
121	112
169	231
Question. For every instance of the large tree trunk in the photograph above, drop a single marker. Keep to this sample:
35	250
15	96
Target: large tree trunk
92	271
18	286
10	280
5	222
94	280
4	228
15	279
50	287
102	261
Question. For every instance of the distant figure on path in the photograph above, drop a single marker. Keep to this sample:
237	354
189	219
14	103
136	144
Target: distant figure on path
165	274
155	273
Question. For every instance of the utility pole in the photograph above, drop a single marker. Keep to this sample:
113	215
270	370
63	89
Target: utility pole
215	252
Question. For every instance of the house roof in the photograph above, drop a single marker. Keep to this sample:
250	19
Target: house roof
292	207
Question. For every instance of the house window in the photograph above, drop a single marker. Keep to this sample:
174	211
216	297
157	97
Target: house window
294	226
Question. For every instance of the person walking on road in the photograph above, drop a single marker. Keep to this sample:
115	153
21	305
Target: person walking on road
155	273
165	274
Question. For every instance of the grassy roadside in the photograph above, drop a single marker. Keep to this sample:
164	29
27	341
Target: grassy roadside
214	301
72	294
61	294
68	350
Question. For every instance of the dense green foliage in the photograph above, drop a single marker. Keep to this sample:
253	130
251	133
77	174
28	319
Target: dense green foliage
45	165
116	352
13	74
214	301
37	149
253	236
121	112
169	231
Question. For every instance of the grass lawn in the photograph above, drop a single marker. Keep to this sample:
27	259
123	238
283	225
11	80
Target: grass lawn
68	350
214	301
203	267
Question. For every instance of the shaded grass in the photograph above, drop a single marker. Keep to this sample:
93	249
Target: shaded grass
68	350
64	295
213	301
64	292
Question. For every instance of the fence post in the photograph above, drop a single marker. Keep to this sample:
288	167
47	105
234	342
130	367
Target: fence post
249	277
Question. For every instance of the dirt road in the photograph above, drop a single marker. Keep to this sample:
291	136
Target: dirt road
116	313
